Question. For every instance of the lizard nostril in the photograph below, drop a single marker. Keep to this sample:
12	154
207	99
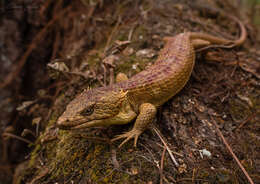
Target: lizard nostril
61	121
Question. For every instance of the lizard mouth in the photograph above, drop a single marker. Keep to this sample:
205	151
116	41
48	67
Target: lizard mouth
66	124
93	123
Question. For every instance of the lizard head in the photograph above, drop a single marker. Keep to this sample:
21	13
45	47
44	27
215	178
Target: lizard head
98	107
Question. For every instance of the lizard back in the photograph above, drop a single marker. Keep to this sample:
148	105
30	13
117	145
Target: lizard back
166	77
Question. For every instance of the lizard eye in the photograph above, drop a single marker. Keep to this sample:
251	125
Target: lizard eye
88	111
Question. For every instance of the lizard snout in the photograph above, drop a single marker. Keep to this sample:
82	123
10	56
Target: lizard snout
62	122
65	122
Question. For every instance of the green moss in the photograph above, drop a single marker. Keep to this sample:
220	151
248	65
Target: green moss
127	63
122	37
53	119
34	155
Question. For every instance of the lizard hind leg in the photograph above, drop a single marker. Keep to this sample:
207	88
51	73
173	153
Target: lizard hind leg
120	77
199	43
147	113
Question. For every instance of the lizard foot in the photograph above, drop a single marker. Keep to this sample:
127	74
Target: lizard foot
146	115
128	135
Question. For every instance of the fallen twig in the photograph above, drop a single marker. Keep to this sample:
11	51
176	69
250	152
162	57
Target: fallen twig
165	144
246	121
161	168
6	134
115	29
231	152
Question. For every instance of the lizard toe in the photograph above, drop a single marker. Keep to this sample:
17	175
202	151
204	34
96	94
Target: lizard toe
128	135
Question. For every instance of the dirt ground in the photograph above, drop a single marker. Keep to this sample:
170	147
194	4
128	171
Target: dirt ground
53	50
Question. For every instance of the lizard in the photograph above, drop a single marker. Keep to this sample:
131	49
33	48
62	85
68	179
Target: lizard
138	98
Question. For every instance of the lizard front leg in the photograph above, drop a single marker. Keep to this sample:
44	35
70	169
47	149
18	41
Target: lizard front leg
147	113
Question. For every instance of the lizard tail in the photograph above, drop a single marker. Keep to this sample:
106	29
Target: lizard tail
221	41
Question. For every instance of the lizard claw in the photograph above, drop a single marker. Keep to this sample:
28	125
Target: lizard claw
128	135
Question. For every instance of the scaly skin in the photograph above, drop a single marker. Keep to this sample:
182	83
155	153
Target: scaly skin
139	97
